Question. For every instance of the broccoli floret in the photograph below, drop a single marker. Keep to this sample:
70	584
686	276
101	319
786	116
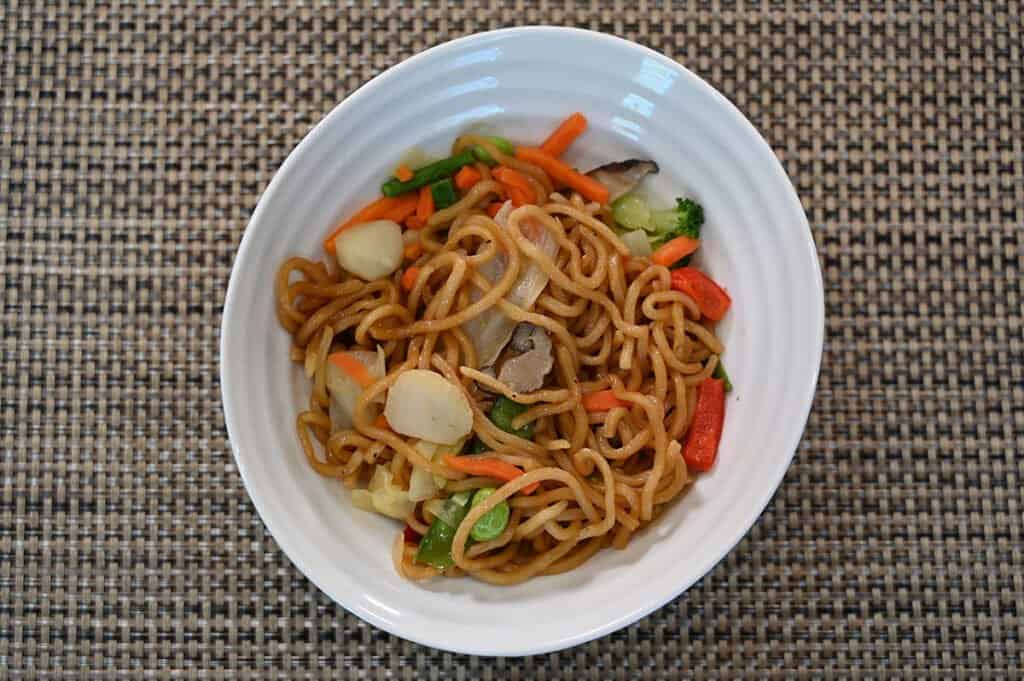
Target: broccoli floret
683	220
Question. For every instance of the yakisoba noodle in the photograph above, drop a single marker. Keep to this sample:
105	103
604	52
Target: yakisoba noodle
630	354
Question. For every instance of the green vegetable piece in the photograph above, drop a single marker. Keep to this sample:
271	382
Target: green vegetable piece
428	174
721	373
504	146
504	411
444	193
492	523
435	548
632	212
683	220
455	508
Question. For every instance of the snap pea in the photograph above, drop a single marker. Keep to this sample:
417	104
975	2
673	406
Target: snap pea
492	523
436	546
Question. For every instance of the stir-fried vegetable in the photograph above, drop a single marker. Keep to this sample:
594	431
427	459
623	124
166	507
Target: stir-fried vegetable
504	146
564	174
685	219
354	367
487	467
491	331
602	400
516	184
428	174
632	212
424	205
675	250
384	496
423	484
426	405
436	546
467	177
444	194
623	177
403	173
504	412
492	523
711	298
566	133
409	277
347	374
638	243
721	373
701	446
385	208
370	250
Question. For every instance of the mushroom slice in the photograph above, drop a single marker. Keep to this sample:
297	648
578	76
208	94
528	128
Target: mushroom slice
525	372
622	177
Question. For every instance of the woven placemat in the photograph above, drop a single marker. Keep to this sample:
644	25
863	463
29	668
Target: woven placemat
134	142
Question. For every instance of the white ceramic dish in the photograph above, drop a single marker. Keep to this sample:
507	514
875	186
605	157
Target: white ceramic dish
757	243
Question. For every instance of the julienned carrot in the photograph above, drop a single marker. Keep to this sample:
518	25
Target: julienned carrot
381	422
403	173
675	250
564	135
494	207
352	367
519	189
466	178
602	400
405	207
409	278
564	174
705	431
488	468
425	204
412	222
377	210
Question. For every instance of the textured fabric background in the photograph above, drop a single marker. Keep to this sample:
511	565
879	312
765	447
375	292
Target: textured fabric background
134	142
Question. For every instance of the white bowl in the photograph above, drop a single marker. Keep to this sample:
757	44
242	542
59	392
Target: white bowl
757	244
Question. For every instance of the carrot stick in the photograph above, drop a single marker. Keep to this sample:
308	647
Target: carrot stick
674	250
405	207
564	174
466	178
519	189
403	173
602	400
564	135
374	211
425	204
494	207
409	278
488	468
352	367
381	422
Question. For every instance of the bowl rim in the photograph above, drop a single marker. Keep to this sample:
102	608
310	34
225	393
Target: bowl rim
230	401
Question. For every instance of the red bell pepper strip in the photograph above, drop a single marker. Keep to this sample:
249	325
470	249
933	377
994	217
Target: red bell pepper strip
701	446
711	298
